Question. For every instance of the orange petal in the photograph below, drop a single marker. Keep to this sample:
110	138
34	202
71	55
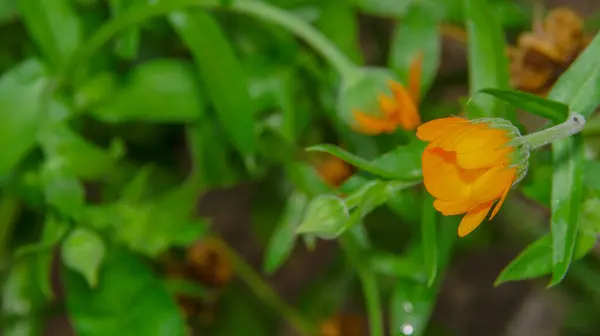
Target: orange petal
450	208
484	158
434	129
472	220
492	184
441	175
487	138
388	106
454	134
371	125
414	77
408	114
499	204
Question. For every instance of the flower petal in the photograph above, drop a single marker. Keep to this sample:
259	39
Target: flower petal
486	138
441	175
456	133
432	130
372	125
472	220
450	208
491	184
499	204
408	115
484	158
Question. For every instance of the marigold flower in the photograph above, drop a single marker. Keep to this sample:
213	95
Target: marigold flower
468	165
378	103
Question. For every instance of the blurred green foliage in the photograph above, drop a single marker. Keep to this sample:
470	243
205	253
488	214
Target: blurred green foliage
118	117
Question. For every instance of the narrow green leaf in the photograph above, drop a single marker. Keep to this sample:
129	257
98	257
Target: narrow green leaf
566	200
54	26
400	266
20	91
128	41
222	74
536	259
579	86
157	91
107	309
410	308
555	111
487	59
281	242
54	230
211	154
418	32
428	238
383	168
95	90
83	252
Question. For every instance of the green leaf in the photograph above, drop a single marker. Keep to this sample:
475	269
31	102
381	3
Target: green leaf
428	238
61	189
555	111
281	242
336	14
95	90
22	300
156	91
126	282
53	232
399	266
566	200
83	252
210	154
410	308
8	10
578	86
536	259
20	92
222	74
385	166
80	157
487	59
128	41
418	32
387	8
54	26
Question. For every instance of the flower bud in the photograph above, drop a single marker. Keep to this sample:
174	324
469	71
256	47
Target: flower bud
325	217
374	102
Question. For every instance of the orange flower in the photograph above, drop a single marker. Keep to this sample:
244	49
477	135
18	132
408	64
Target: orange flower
379	104
468	165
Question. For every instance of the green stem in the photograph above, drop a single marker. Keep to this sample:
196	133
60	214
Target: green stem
368	282
572	125
256	9
265	292
300	28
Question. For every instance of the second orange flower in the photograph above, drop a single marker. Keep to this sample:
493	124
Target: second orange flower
470	165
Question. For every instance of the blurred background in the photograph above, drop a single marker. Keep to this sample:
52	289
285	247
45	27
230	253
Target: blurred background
139	199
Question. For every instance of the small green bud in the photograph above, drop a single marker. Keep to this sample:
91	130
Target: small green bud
325	217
